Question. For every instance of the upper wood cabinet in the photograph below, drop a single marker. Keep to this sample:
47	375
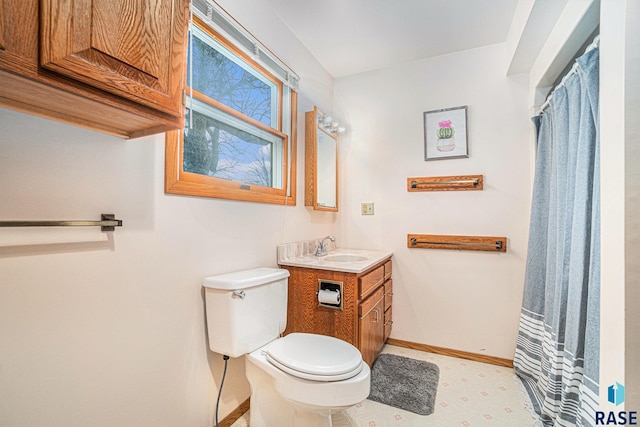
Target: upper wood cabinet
115	66
19	36
121	46
1	25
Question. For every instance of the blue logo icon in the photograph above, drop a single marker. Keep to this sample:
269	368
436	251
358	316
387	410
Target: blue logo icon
615	393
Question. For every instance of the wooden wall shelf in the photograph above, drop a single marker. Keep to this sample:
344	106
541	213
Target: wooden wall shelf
467	243
446	183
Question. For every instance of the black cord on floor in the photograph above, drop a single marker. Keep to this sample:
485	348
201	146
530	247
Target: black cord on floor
224	373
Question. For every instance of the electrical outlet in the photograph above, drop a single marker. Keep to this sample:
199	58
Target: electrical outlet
366	208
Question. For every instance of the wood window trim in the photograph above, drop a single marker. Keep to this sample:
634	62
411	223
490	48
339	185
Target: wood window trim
220	106
177	181
238	52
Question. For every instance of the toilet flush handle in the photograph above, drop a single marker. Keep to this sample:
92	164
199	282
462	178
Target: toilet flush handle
239	294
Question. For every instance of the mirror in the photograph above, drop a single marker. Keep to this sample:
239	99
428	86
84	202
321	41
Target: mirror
321	162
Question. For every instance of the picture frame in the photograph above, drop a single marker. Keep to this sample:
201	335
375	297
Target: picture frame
445	134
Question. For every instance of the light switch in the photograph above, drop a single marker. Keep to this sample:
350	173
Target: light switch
366	208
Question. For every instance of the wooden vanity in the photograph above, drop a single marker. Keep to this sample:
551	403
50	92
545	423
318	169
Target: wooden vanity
365	317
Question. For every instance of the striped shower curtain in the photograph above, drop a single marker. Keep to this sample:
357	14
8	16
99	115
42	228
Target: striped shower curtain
557	354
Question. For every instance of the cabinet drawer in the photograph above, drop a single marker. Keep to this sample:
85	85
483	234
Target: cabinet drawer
388	322
367	305
388	293
387	270
370	281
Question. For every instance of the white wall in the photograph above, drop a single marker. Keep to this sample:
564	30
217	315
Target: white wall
111	332
620	182
632	203
456	299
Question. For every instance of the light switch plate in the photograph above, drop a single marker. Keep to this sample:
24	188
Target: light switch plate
366	208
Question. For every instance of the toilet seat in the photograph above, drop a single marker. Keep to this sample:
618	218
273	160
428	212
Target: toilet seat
315	357
314	377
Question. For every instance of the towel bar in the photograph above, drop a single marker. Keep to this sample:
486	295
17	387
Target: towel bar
414	184
497	244
446	183
106	223
474	243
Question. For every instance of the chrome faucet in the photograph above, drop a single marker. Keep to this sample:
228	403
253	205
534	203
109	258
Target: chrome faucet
321	250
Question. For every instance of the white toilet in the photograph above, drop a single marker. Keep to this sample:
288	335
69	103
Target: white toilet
297	380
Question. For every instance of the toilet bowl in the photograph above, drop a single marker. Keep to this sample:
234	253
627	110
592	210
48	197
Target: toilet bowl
301	379
297	380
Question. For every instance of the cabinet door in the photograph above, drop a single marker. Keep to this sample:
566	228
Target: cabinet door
132	48
388	322
2	26
372	330
19	36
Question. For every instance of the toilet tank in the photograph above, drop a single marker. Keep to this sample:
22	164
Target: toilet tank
246	309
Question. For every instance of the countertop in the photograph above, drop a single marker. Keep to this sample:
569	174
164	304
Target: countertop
328	261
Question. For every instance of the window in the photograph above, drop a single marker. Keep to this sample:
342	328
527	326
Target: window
238	141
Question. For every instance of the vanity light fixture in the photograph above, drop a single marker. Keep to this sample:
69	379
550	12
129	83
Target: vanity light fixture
326	123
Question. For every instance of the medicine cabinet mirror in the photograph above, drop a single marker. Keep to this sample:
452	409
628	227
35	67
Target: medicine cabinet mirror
321	161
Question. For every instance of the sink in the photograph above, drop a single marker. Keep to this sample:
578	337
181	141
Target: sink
345	258
348	260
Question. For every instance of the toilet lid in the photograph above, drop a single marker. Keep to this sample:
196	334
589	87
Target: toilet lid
315	357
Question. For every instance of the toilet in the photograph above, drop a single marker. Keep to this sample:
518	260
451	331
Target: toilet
296	380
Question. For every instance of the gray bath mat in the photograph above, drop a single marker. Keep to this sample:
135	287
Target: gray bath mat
404	383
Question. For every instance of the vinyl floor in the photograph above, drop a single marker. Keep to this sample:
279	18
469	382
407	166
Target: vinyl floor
470	394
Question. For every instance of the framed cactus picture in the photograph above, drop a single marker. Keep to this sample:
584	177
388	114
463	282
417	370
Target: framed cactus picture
445	134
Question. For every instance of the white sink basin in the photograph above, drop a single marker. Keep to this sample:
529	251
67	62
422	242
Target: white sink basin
345	258
348	260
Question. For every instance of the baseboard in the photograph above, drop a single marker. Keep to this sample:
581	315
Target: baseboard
235	414
453	353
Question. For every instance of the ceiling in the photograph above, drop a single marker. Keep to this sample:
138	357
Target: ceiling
352	36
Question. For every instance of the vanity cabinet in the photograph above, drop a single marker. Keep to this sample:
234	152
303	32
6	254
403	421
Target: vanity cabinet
114	66
365	318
